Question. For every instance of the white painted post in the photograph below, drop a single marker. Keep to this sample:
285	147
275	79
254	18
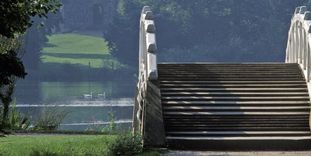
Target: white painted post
293	45
291	49
305	43
300	43
308	63
296	44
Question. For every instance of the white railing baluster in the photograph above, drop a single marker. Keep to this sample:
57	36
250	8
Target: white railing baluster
302	42
291	48
308	63
295	43
304	50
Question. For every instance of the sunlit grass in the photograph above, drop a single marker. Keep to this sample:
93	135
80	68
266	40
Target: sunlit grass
94	63
60	144
80	50
76	44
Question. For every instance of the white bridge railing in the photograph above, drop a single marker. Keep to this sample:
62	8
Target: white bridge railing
299	41
147	62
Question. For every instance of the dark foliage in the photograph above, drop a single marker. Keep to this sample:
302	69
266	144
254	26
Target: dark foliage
15	15
10	66
208	30
126	145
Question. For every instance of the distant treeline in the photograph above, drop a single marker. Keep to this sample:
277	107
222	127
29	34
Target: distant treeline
208	30
196	30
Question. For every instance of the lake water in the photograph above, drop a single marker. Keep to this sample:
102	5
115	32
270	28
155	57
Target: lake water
88	103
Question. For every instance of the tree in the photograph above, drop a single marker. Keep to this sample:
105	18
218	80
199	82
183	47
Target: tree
16	17
36	37
208	30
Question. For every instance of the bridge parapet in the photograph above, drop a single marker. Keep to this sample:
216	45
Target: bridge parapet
147	45
299	43
147	116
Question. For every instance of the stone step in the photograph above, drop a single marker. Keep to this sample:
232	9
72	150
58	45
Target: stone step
204	133
272	98
210	76
206	93
240	143
212	108
235	89
233	85
220	113
241	121
189	102
245	125
231	82
283	127
237	118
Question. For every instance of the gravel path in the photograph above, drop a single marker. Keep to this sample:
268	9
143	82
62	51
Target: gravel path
251	153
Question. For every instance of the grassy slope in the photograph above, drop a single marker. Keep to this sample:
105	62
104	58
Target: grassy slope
61	144
79	50
75	145
77	44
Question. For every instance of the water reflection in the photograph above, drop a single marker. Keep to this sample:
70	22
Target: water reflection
84	112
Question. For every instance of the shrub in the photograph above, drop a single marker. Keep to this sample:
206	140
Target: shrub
18	121
50	119
126	145
112	126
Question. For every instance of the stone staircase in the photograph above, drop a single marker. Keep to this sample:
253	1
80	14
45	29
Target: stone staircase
223	106
235	106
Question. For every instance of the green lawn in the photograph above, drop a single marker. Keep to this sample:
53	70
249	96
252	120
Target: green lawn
69	145
78	50
77	44
60	144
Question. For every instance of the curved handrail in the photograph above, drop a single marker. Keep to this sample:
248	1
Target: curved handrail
299	43
147	45
147	64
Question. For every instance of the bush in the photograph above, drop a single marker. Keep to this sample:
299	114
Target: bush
50	119
126	145
16	120
112	126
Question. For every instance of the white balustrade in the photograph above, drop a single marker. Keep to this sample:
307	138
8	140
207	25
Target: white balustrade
147	60
298	43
